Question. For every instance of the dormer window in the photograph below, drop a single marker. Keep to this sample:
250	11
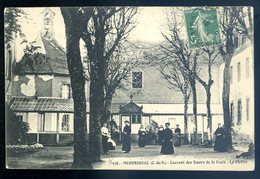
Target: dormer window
66	91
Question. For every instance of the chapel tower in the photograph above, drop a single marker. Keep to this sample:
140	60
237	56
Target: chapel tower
48	16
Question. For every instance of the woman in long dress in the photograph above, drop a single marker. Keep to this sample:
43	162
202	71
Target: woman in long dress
160	134
220	142
104	132
142	135
127	138
167	142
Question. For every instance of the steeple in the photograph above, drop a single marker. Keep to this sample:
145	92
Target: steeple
48	16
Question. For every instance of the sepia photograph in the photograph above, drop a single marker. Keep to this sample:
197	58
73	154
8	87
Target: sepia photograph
129	88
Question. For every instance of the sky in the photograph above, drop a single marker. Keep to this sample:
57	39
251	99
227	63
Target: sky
149	22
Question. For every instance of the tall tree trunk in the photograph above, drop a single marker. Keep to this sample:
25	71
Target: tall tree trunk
97	82
108	103
96	113
227	57
186	100
81	150
225	102
208	100
194	100
209	116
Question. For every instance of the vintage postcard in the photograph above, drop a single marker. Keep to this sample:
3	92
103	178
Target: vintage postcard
130	88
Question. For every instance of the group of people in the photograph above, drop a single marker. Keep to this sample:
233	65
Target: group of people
109	144
165	138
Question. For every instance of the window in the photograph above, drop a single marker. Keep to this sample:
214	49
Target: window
41	122
66	92
232	112
238	71
239	112
8	98
136	119
236	42
45	122
247	67
20	118
243	39
247	109
231	75
137	80
65	123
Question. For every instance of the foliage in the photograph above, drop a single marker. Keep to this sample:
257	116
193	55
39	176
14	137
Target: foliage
21	149
12	23
183	62
16	131
231	22
104	32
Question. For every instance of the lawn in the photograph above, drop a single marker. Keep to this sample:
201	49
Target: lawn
61	157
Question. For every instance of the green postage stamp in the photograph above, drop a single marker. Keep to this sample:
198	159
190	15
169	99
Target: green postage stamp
202	27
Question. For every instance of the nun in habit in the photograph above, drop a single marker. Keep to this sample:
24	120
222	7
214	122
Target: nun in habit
220	142
167	140
126	138
142	137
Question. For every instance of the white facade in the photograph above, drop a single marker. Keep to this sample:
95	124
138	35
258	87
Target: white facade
242	89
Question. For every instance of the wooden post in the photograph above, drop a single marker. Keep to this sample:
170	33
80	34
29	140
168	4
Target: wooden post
202	118
38	128
57	128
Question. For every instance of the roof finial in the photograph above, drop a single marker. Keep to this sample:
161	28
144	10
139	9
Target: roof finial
131	97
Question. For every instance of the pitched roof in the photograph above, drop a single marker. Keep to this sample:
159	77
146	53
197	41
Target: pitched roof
130	108
156	108
31	104
51	58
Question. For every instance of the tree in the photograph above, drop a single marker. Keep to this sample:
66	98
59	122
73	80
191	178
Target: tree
118	69
210	57
73	18
12	26
244	21
176	76
14	124
232	20
105	32
178	48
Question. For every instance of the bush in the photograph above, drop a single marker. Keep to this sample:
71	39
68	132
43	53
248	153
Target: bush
16	131
14	150
239	137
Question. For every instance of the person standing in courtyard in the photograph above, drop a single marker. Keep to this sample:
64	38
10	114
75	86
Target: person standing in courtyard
142	137
104	133
220	142
167	144
126	138
177	131
160	134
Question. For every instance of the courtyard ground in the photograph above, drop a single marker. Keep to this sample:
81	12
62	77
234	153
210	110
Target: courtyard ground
186	157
